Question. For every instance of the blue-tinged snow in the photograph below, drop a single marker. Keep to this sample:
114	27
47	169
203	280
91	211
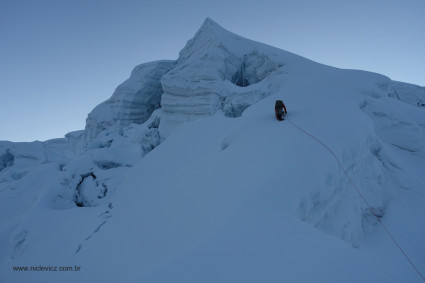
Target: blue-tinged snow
209	187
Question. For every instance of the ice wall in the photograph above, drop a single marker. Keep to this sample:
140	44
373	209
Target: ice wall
132	102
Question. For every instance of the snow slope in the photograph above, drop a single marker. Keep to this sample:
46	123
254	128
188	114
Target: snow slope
211	188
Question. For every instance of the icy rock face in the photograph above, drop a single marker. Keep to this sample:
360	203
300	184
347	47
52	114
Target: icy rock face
132	102
216	71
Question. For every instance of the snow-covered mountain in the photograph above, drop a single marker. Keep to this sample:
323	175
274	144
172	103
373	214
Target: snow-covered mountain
185	175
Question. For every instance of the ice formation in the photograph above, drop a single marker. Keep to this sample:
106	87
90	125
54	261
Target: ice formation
185	174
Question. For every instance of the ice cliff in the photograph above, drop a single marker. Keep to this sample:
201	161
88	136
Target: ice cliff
186	174
215	71
132	102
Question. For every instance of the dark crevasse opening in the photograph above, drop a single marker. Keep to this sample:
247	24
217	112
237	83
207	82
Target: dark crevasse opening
6	160
240	77
89	191
253	68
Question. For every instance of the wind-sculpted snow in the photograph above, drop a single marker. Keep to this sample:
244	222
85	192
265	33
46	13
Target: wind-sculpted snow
75	141
334	205
408	93
216	72
184	174
27	154
6	160
132	102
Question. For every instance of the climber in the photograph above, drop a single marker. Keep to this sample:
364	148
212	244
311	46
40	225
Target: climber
280	110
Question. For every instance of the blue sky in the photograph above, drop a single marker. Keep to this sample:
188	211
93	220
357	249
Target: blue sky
59	59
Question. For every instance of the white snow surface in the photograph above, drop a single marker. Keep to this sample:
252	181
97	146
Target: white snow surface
185	175
132	102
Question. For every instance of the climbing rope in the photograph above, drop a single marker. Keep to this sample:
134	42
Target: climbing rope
360	194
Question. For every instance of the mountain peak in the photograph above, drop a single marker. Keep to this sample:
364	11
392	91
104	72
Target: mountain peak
209	23
233	180
209	34
211	27
212	35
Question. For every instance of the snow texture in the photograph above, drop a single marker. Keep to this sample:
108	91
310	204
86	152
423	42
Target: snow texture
216	71
132	102
184	175
408	93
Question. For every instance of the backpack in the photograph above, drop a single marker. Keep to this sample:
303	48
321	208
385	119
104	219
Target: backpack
279	104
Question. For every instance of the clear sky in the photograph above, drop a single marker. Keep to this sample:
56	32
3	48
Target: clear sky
59	59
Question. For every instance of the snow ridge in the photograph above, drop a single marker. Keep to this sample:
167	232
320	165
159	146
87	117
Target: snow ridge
186	174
